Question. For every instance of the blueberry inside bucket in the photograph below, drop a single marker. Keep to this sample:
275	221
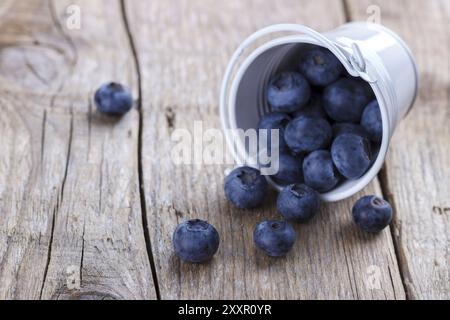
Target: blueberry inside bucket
335	124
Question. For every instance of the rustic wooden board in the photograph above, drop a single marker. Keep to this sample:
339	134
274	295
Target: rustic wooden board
183	48
417	170
70	217
71	224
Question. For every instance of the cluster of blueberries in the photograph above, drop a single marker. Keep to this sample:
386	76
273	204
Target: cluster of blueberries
330	130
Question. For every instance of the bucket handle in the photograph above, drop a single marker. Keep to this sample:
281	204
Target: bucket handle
351	57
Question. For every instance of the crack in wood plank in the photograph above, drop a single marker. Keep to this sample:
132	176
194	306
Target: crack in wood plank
387	194
44	125
56	209
145	225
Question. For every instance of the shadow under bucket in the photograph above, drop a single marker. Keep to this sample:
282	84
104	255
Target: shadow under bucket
369	51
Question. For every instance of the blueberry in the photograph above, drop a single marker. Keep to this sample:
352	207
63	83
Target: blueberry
319	171
298	202
289	170
371	121
345	100
351	155
372	214
113	99
320	66
346	127
195	241
305	134
274	121
314	109
245	187
275	238
288	92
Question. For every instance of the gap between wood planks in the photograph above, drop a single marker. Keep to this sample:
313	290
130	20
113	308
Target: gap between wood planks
383	182
148	243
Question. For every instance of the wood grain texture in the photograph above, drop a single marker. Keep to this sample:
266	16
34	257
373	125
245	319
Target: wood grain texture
417	173
183	48
70	217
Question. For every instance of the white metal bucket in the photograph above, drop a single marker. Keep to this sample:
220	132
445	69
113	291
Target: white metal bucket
366	50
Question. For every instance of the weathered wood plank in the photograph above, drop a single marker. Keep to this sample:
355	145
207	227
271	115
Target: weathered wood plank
417	172
183	48
70	217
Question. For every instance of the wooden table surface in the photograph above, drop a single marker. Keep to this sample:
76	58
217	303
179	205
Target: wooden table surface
88	204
